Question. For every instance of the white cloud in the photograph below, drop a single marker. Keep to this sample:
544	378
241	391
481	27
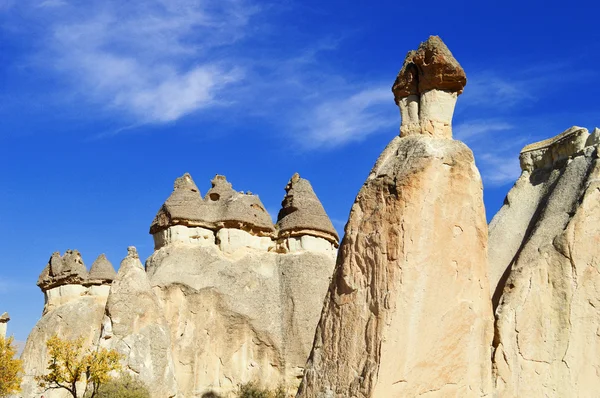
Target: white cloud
475	128
156	60
336	121
497	170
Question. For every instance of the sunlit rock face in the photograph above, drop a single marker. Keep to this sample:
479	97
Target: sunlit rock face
408	312
74	307
241	296
544	259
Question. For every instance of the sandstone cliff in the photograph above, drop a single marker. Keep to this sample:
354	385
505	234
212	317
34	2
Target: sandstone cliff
544	265
408	312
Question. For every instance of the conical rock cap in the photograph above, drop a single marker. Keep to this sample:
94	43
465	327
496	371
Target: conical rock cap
184	206
102	270
302	212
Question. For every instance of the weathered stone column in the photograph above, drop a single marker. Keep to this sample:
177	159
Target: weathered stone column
408	311
4	318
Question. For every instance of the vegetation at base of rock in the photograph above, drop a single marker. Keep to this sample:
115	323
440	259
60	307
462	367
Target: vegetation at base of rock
70	363
124	386
11	368
251	390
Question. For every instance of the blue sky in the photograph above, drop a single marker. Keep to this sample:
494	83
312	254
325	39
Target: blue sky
103	103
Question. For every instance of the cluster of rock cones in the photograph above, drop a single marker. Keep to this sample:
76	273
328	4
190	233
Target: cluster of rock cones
424	301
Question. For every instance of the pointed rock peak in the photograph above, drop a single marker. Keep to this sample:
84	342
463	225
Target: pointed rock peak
221	189
302	212
431	66
182	207
131	260
132	252
102	270
185	182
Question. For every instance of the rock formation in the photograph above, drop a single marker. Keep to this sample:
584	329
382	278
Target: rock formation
544	259
74	307
226	298
135	326
4	318
241	296
408	312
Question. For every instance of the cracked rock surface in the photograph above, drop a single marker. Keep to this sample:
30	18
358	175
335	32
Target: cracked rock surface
544	257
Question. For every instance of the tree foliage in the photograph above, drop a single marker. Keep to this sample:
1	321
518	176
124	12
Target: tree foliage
70	363
11	368
251	390
124	386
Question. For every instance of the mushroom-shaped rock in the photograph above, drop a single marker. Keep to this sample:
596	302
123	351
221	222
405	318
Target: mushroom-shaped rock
302	213
231	209
63	270
184	206
4	318
426	89
102	270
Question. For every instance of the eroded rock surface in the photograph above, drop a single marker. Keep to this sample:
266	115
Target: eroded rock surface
408	312
135	326
74	308
544	259
242	303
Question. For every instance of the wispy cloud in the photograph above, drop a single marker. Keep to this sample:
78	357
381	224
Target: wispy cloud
475	128
156	60
337	121
499	170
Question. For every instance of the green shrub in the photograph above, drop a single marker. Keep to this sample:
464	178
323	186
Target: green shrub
124	386
251	390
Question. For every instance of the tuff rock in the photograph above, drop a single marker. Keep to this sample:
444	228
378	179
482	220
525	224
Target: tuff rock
544	260
408	312
227	297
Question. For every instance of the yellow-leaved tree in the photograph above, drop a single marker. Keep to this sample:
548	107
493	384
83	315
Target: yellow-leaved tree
11	368
70	363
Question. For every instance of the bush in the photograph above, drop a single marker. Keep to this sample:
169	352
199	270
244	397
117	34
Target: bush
125	386
251	390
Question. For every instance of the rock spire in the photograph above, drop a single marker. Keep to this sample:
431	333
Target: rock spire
102	271
408	312
302	212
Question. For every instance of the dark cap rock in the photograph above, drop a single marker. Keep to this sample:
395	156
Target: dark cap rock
431	66
102	270
302	212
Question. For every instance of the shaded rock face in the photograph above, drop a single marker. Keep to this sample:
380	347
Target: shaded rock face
544	259
408	312
135	326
